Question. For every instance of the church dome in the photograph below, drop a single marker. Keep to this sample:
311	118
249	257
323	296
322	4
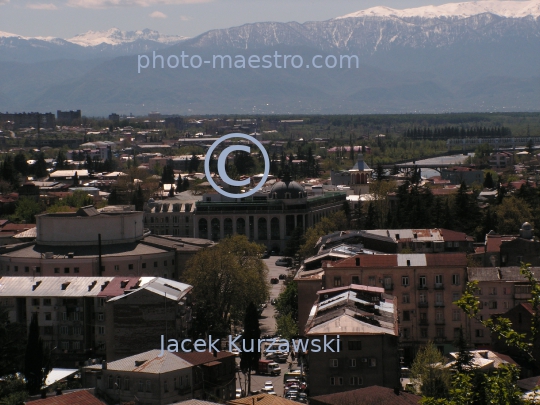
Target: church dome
287	190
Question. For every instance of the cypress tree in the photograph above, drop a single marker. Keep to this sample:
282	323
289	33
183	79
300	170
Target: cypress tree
249	359
35	364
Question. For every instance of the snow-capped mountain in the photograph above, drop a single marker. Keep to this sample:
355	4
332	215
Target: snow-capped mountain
507	9
114	36
476	56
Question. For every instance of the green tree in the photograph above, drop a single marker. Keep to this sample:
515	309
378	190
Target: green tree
511	214
12	344
138	199
225	279
332	223
488	181
287	302
40	167
250	355
20	163
287	327
13	390
36	364
295	242
61	162
428	374
26	210
113	197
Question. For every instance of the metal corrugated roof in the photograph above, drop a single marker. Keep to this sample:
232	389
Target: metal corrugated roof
52	286
147	362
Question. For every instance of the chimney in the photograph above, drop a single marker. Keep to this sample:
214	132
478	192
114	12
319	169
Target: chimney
104	365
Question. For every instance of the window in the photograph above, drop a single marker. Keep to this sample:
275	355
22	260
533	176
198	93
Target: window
438	280
456	315
76	269
406	315
130	266
57	269
110	383
64	330
493	291
356	381
77	316
355	280
423	316
440	332
405	332
372	281
423	333
101	302
38	269
438	299
506	291
26	269
373	362
140	386
455	296
64	316
143	265
35	302
492	304
15	268
337	281
332	380
76	345
155	264
77	330
439	316
479	290
165	387
405	281
333	362
422	282
505	304
126	383
148	386
456	333
340	380
48	316
352	363
479	333
101	330
117	267
406	298
388	283
455	279
354	345
101	316
66	270
423	297
48	330
176	383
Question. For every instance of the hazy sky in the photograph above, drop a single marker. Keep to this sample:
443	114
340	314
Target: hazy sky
66	18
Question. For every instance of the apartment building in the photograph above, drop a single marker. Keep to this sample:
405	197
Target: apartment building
499	290
366	321
426	285
71	310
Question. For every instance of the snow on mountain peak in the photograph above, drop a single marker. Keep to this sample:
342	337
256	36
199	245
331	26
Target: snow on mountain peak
508	9
114	36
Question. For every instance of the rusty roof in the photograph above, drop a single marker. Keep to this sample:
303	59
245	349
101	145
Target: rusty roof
82	397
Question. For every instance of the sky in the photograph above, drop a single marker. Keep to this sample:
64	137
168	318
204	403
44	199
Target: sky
67	18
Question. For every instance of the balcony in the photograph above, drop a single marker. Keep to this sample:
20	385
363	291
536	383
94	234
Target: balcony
439	286
422	287
439	322
424	322
389	287
439	304
423	304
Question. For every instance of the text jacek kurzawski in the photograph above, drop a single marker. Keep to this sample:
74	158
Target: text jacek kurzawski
316	345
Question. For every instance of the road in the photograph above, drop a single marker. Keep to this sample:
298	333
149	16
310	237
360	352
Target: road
268	327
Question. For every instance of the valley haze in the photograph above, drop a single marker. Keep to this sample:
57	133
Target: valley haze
472	56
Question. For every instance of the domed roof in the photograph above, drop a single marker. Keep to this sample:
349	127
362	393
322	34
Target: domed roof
283	190
526	226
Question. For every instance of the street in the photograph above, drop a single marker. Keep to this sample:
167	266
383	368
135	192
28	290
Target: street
268	327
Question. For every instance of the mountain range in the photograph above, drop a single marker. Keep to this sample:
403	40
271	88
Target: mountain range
473	56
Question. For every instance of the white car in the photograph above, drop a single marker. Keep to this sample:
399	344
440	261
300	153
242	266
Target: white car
239	393
269	384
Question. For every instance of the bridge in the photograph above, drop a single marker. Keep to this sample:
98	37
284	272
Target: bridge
405	167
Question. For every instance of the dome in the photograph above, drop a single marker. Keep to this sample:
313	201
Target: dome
287	190
526	226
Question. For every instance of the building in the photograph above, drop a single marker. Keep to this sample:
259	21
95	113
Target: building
426	285
156	380
501	160
71	310
374	395
136	321
484	360
356	178
115	118
110	242
68	117
269	219
499	290
28	120
510	250
366	321
458	175
434	240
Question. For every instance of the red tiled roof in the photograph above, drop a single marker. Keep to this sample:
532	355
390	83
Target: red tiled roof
443	191
446	259
17	227
197	358
73	398
528	307
114	288
494	242
367	396
453	236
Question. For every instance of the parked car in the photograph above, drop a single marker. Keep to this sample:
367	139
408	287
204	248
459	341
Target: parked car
274	280
269	384
239	393
283	261
266	255
282	276
302	397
